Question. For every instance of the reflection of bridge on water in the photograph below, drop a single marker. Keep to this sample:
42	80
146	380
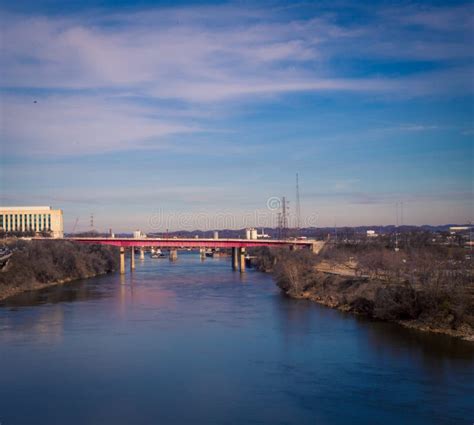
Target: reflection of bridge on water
238	246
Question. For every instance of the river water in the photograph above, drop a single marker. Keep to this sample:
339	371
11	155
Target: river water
192	342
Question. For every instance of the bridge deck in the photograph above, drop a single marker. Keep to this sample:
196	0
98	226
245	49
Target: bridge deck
192	242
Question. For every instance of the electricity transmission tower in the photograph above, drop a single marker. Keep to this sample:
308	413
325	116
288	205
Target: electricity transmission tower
298	206
284	217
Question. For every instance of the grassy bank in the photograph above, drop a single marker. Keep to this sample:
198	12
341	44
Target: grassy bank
37	264
427	288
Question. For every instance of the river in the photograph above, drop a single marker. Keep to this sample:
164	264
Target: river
192	342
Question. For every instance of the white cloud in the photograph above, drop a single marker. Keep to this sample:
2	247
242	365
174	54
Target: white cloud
200	57
202	54
80	125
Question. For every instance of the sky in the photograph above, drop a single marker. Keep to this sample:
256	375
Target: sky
185	115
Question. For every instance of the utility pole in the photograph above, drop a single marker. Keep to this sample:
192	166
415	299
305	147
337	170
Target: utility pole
396	227
401	213
92	222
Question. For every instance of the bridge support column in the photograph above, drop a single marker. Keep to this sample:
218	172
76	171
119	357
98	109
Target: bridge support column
173	254
235	259
132	258
241	255
142	253
202	253
122	260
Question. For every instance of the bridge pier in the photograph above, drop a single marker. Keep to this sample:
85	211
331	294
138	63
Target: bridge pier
132	258
122	260
202	253
235	259
241	255
142	253
173	254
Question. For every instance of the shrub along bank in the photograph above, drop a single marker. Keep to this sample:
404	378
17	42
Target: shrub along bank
37	264
425	288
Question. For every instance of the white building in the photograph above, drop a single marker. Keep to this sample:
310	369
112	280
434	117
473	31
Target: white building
251	233
459	229
36	219
138	234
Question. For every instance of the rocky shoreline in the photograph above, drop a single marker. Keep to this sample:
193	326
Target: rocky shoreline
466	333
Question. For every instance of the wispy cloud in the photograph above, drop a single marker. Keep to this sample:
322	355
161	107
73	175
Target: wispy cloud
87	71
58	125
202	54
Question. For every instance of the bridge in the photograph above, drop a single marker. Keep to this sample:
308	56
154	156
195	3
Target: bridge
238	246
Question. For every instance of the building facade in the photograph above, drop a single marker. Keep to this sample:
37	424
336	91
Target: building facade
36	219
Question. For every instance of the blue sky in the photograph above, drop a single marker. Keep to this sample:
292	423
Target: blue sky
158	115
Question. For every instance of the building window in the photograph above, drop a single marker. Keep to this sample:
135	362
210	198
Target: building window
1	221
49	222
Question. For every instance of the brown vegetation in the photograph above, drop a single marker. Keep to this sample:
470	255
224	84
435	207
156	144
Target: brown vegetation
428	287
35	264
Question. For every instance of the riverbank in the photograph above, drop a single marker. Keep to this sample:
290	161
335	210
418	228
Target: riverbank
378	300
439	303
40	264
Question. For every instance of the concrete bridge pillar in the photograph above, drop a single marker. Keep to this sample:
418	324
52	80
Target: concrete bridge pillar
142	253
202	253
241	256
132	258
317	246
235	259
122	260
173	254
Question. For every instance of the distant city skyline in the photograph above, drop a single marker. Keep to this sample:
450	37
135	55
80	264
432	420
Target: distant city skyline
182	115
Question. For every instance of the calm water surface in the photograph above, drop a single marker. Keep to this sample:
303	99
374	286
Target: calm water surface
195	343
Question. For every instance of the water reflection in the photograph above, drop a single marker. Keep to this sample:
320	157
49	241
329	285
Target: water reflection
71	292
194	342
391	339
44	327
